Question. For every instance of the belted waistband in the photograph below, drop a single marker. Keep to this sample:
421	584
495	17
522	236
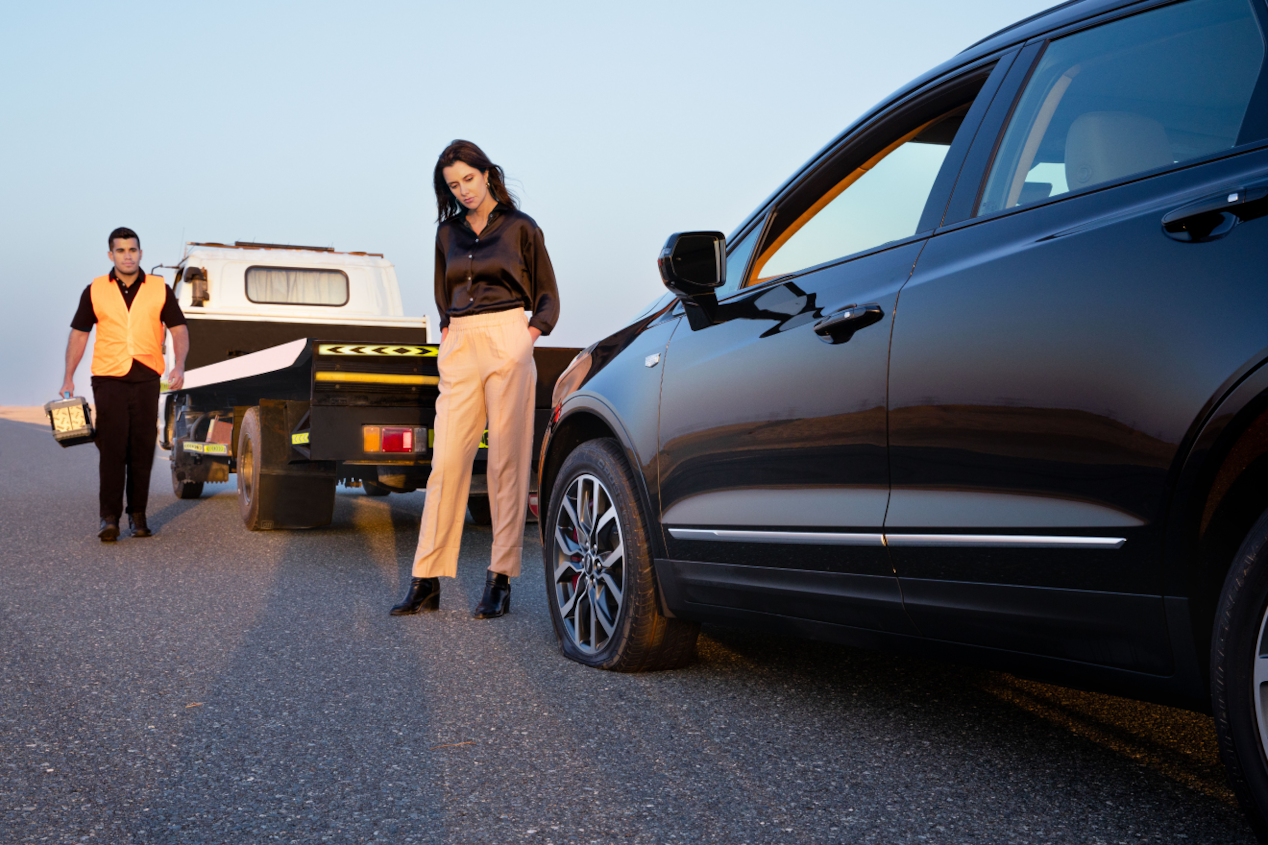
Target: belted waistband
495	318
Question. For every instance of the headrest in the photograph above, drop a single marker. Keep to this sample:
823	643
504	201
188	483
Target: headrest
1105	145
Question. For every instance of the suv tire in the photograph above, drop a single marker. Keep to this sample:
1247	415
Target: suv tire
1239	676
598	567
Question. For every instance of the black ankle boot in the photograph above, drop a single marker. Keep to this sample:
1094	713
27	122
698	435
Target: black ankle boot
136	522
423	593
497	596
109	530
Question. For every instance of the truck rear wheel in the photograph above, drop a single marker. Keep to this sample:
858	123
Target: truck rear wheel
372	488
275	491
249	462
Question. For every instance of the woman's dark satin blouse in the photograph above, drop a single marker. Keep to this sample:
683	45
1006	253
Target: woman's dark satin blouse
504	267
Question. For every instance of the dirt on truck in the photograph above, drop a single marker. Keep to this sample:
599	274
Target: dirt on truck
304	374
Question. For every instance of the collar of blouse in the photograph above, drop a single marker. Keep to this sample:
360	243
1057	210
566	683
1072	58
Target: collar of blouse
498	211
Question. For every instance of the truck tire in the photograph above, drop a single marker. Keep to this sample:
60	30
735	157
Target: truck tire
1239	676
600	584
249	464
374	489
481	511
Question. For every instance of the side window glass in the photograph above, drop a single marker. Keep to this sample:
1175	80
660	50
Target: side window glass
737	260
1145	92
878	201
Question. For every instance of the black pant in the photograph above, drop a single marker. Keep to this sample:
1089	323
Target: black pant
127	428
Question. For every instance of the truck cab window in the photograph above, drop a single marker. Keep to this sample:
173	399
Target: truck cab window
1131	96
877	201
293	286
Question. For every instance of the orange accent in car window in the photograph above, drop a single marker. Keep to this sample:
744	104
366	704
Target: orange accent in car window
755	277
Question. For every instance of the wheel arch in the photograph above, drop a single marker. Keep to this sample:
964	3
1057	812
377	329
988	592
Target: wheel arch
584	418
1221	491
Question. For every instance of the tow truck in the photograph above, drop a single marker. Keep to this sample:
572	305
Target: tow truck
304	374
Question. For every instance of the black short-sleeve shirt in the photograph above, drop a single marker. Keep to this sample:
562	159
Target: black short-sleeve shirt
86	318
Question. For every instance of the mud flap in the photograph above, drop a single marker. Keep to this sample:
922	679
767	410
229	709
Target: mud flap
298	494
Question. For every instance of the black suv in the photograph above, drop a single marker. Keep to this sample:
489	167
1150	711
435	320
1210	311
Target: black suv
984	379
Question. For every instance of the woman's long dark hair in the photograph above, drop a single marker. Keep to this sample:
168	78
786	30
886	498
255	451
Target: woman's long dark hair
468	153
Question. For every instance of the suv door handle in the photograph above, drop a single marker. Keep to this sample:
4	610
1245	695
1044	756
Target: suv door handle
1213	217
840	327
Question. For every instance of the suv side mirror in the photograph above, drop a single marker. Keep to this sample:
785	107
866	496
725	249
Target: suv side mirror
693	263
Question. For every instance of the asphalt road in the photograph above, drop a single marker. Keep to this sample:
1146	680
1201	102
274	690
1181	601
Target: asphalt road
210	685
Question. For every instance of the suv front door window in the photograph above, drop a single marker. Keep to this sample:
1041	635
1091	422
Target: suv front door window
880	201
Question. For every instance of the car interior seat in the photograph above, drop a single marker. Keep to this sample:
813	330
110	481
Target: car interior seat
1105	145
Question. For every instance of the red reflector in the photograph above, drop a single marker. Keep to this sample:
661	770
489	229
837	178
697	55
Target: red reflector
398	439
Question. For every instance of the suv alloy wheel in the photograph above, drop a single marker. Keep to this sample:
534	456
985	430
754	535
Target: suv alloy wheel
600	583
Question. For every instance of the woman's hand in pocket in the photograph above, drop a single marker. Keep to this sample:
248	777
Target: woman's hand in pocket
534	333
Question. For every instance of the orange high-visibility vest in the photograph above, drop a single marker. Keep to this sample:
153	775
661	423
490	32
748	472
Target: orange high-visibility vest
124	333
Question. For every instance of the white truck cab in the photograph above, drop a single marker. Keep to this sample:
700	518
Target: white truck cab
245	297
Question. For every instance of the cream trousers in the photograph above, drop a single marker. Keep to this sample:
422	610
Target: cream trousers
486	373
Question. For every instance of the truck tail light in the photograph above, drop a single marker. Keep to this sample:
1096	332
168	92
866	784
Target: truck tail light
395	439
398	439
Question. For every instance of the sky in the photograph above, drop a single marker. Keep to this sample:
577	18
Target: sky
319	123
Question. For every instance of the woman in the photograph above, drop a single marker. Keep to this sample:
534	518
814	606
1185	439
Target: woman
491	266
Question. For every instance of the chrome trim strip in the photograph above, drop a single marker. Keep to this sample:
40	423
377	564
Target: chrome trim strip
804	538
1005	541
832	538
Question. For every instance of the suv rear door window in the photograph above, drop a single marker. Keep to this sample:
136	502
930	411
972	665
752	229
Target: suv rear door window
296	286
1135	95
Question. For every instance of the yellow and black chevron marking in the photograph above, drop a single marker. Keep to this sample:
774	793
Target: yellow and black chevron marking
389	350
300	439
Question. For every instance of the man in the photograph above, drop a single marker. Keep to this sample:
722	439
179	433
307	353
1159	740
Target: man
129	310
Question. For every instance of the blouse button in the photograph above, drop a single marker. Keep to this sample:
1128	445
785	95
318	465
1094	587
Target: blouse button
470	256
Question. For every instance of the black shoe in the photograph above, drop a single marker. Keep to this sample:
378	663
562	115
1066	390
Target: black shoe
497	597
136	522
423	593
109	531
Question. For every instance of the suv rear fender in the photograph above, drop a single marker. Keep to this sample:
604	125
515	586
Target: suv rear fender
1221	489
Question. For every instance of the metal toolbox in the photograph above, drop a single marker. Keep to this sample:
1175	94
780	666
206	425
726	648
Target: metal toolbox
71	420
